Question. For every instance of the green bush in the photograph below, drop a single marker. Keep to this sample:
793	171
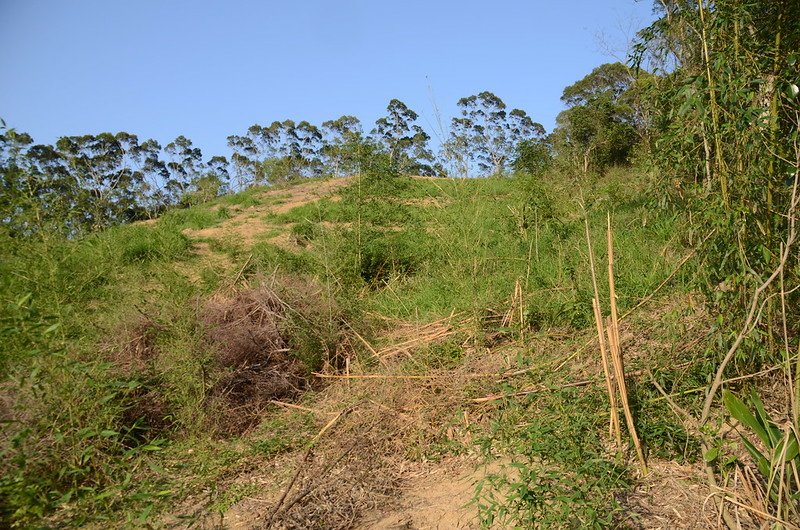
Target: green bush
142	244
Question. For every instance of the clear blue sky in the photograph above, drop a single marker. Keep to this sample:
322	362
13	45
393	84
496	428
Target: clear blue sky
160	68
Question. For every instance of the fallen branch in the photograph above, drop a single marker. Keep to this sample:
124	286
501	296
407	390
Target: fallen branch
367	344
302	464
311	487
241	271
413	376
297	407
537	390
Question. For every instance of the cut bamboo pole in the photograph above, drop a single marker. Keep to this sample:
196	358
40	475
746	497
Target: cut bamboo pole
614	426
616	354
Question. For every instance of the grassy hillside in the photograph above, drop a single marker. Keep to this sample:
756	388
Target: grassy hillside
161	373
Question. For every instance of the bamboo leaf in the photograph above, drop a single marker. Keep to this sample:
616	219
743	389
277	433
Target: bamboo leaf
761	461
739	411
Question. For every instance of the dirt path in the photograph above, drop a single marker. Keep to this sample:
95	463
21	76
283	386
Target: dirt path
247	225
436	497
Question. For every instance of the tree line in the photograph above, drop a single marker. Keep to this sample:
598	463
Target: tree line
88	182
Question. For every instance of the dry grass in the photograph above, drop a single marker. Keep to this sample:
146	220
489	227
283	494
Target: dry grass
252	354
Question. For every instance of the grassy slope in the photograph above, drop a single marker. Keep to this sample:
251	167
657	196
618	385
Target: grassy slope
414	250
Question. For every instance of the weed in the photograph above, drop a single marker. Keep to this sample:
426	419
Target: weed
196	217
779	461
558	476
141	244
246	198
269	258
305	231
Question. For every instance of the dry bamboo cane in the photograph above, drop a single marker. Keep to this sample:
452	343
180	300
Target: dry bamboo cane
521	310
598	318
616	354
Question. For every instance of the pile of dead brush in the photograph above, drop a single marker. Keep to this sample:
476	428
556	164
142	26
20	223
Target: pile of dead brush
252	357
254	347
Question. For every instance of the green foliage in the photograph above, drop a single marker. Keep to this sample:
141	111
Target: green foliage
276	153
268	257
559	476
405	141
196	218
442	355
75	445
25	332
140	244
779	462
725	146
244	198
386	255
533	157
597	129
206	189
344	146
304	231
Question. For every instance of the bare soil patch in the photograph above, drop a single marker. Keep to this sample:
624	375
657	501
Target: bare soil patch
433	497
247	225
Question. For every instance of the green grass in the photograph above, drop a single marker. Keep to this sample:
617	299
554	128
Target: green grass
196	217
558	475
466	251
398	247
245	198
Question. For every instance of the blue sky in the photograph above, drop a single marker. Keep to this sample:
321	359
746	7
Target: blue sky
210	69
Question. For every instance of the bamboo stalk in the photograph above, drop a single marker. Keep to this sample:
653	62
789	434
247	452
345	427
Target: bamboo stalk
616	354
413	376
614	426
367	344
536	390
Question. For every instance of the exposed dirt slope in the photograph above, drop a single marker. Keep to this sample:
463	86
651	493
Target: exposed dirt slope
246	225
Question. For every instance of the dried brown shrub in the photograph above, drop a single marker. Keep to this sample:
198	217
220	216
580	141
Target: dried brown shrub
251	356
137	348
262	345
245	330
342	483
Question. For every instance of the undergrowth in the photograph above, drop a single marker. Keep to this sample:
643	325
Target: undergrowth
113	326
558	474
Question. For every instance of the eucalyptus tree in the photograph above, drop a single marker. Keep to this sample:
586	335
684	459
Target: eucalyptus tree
343	139
487	134
14	184
35	186
210	184
304	148
280	151
185	166
152	196
103	167
405	141
246	167
598	127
